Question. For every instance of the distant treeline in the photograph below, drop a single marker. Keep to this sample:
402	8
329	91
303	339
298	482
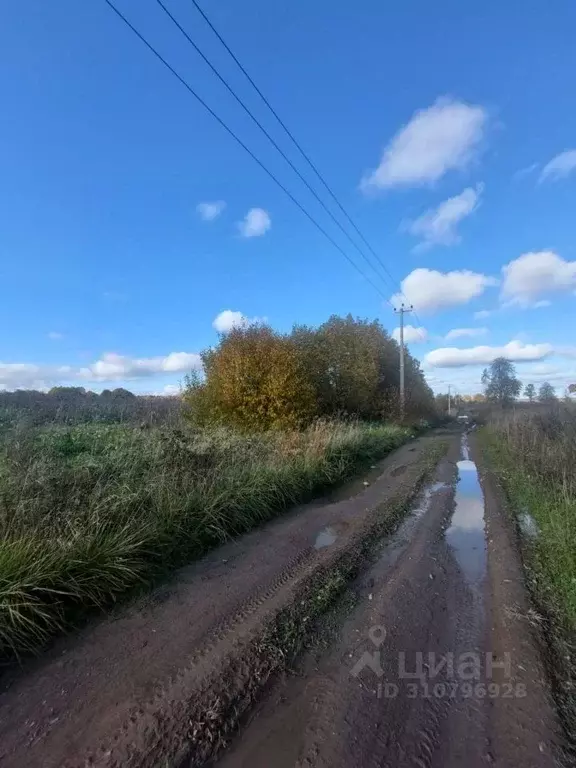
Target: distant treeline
76	405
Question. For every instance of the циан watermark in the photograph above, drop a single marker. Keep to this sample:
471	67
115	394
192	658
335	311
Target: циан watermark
470	674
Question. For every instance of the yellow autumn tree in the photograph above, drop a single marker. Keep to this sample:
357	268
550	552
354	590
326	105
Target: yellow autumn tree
254	379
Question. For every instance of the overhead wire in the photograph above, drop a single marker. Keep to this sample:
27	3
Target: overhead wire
243	145
248	111
306	157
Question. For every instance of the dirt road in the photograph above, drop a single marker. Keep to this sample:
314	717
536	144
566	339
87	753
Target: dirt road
427	662
434	666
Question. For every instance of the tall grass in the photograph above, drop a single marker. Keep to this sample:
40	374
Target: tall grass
534	454
88	513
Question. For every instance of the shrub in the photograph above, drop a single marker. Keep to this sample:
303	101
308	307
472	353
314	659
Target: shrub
347	368
254	380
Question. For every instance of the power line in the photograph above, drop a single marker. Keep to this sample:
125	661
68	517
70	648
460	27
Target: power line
272	141
241	143
300	149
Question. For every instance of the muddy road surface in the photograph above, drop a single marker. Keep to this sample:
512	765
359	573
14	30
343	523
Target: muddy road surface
382	626
434	666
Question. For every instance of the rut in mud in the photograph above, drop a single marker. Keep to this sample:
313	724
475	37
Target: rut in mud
425	662
166	679
430	668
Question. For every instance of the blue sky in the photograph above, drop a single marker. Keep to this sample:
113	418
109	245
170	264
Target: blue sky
130	221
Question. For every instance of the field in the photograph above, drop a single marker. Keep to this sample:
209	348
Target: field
534	454
90	512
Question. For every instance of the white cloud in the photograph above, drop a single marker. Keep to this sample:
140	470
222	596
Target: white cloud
229	318
55	336
412	335
114	367
210	211
429	290
542	369
459	333
534	274
525	171
170	389
467	379
482	314
454	357
110	367
437	226
30	376
255	224
441	138
560	166
559	376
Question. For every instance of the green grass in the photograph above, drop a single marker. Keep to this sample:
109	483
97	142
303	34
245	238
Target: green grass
88	513
553	550
533	456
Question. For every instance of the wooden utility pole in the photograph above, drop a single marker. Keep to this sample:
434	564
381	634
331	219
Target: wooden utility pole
449	408
401	312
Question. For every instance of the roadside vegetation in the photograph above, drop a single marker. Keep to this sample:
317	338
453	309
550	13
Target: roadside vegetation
536	452
103	494
90	512
259	379
533	451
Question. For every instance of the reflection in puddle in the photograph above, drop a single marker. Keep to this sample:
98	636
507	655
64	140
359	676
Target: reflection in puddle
325	538
466	532
425	498
392	548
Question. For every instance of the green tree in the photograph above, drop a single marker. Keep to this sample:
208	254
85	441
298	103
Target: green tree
530	392
343	361
353	365
547	393
500	383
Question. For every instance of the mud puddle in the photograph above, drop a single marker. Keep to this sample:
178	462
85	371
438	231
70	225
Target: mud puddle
393	547
325	538
466	534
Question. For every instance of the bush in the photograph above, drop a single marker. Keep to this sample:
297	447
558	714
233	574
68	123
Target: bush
258	379
254	380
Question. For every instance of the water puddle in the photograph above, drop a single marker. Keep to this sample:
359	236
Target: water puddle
393	547
423	504
325	538
466	532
